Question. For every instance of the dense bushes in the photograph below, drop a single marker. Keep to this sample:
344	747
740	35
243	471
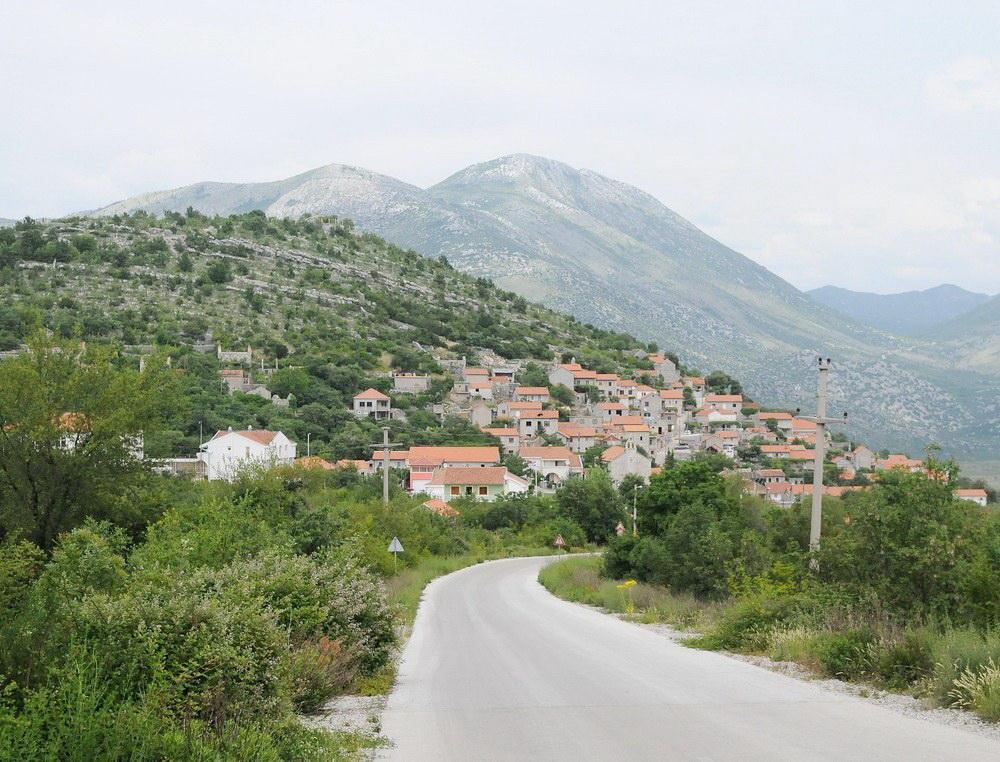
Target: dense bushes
905	593
202	639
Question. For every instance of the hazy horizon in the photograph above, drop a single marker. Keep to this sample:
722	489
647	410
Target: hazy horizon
845	145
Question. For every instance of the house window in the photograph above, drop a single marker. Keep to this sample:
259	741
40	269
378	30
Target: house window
483	491
468	490
455	491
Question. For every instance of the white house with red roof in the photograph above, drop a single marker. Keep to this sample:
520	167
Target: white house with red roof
534	423
531	394
554	464
973	495
425	460
578	438
509	438
487	483
514	408
371	403
724	403
230	452
483	389
606	384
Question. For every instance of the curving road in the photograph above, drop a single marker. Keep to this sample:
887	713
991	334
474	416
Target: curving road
499	669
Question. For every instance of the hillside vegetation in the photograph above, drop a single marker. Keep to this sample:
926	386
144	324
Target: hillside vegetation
332	309
615	256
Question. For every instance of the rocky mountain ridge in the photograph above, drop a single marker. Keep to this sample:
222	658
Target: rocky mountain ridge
614	256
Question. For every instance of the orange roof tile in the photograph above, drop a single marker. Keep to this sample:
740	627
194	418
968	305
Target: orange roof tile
500	432
546	453
534	390
491	476
261	436
370	394
314	461
612	453
576	430
440	507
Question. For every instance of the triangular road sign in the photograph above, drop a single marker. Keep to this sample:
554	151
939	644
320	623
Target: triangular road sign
395	546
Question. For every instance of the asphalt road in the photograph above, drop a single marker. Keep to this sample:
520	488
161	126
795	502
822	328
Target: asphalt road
499	669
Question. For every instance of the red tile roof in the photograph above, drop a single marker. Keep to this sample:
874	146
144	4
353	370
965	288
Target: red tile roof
612	453
533	390
430	455
314	461
370	394
546	453
490	476
969	492
440	507
261	436
576	430
500	432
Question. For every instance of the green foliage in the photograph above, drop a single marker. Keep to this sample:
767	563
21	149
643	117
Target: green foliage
70	420
593	503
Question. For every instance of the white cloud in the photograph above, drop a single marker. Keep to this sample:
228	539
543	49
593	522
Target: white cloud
968	84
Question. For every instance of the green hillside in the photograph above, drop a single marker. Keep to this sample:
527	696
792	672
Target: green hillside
333	309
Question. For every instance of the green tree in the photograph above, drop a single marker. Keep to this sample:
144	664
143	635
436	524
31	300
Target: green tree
593	503
70	424
219	271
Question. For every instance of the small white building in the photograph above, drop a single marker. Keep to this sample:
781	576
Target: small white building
487	483
578	438
531	394
554	464
534	423
510	441
371	403
977	496
229	452
481	389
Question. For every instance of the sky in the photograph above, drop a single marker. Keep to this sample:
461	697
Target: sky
833	143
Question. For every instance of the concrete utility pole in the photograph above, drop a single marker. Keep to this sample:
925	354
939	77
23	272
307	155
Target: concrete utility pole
386	446
820	419
635	495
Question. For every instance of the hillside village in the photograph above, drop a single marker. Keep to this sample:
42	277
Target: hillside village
578	419
301	339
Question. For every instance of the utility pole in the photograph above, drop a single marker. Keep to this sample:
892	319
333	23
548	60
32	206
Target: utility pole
308	447
386	446
821	421
635	493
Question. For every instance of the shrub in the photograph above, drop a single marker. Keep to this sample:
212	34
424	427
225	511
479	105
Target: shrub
217	660
847	655
906	660
332	596
750	620
978	689
318	670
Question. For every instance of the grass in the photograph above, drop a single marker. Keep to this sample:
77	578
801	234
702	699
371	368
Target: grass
948	666
579	580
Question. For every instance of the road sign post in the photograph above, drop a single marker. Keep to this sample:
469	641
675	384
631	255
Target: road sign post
395	547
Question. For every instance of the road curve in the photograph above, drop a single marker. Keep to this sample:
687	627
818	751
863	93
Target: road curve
499	669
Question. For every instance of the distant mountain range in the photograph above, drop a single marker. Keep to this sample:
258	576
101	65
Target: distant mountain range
615	256
911	313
